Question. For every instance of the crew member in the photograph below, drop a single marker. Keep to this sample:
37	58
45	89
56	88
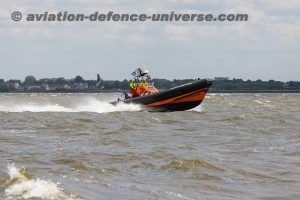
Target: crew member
140	86
133	88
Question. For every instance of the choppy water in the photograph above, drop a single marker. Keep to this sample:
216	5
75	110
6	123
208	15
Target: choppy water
76	146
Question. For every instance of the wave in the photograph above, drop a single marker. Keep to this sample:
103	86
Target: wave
186	165
22	186
85	105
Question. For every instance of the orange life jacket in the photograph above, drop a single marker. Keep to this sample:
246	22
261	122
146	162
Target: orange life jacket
141	89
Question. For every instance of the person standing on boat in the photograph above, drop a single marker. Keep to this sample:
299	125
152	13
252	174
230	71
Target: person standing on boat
142	83
133	88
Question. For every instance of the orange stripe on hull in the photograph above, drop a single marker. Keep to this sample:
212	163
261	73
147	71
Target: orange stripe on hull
197	95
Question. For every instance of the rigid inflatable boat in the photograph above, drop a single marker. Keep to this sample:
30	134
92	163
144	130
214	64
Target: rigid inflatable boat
179	98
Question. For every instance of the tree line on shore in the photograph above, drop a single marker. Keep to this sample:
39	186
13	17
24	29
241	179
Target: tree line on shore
79	83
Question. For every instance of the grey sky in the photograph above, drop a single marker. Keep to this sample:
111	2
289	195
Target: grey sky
266	47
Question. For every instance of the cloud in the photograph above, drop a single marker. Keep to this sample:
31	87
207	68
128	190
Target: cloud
260	23
273	29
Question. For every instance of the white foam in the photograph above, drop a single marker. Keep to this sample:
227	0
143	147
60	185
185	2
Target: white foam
34	108
94	105
15	173
85	105
33	188
265	104
25	188
199	109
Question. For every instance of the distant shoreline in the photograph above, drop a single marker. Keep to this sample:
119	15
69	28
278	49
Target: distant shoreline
79	85
121	91
254	91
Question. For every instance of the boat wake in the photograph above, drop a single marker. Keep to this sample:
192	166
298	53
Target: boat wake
21	185
86	105
198	109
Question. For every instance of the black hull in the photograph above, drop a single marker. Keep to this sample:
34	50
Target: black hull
167	100
174	107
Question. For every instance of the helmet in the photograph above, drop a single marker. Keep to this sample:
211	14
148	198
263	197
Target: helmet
144	72
139	72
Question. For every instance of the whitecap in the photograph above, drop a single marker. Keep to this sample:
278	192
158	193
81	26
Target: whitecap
22	187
